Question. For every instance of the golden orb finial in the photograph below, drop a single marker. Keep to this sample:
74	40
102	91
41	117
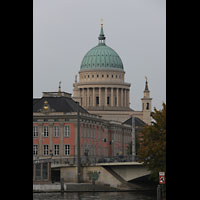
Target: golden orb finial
46	107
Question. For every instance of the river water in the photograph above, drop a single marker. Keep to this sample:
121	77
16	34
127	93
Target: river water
96	196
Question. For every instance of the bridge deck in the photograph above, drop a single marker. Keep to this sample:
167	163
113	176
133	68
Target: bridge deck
118	163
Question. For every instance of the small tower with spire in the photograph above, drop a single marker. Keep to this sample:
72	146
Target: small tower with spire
146	104
76	92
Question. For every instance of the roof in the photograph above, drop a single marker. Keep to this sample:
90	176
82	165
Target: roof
35	100
138	122
58	104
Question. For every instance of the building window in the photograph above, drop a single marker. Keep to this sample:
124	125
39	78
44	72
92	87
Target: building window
56	131
46	149
107	76
67	149
115	101
147	107
38	171
45	170
67	131
35	131
35	149
56	149
102	75
108	100
97	75
97	100
46	131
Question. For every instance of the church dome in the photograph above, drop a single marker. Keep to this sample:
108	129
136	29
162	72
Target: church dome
101	57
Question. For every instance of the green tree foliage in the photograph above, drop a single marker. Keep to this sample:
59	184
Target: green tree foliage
152	148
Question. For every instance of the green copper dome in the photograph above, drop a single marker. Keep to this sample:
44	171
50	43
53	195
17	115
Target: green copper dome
101	57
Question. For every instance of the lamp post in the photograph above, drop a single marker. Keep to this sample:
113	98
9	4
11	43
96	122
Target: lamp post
86	153
78	145
51	155
133	138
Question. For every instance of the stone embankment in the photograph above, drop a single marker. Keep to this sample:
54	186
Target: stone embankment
71	187
82	187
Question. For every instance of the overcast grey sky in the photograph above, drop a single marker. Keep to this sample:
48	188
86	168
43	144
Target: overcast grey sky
65	30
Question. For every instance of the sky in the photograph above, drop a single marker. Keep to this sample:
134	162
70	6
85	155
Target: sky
65	30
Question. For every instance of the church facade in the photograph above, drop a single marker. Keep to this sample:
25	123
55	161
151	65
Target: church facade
102	89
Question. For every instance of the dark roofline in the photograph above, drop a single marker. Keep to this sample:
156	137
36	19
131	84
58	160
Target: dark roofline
138	122
59	104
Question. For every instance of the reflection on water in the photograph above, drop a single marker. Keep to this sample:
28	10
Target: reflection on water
96	196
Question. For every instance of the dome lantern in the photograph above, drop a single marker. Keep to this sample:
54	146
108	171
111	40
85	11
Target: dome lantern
101	35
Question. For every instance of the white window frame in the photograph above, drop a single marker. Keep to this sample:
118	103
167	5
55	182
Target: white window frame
56	131
67	149
45	149
56	149
35	131
35	149
67	131
45	131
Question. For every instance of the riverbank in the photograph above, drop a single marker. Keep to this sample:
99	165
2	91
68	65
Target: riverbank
95	196
80	187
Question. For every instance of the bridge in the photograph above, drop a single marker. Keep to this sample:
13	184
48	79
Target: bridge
115	174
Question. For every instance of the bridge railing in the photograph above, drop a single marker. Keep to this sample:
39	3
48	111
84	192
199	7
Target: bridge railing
87	160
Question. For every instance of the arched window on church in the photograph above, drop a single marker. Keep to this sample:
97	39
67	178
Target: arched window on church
147	107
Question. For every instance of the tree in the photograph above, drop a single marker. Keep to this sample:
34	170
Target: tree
152	148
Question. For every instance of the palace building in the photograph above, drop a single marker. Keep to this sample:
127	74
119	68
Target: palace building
55	131
102	89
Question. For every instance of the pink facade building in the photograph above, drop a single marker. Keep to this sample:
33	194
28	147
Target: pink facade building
55	131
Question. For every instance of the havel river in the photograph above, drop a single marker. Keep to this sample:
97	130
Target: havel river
96	196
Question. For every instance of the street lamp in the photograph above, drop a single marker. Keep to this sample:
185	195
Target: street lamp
51	155
86	153
133	138
78	145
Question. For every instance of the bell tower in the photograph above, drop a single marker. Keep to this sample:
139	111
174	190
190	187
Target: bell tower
76	92
146	104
